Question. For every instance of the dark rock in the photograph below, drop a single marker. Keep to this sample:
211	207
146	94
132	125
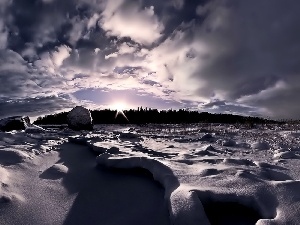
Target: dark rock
14	123
79	118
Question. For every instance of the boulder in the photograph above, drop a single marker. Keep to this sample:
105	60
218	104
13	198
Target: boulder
14	123
79	118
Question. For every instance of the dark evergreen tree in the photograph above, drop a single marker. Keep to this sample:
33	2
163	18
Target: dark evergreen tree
148	115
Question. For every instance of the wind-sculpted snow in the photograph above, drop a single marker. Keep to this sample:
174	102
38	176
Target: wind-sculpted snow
213	174
188	193
161	173
210	179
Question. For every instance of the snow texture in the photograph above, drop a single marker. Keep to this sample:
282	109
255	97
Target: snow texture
133	175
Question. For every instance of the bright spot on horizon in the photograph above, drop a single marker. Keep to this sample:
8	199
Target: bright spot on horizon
119	106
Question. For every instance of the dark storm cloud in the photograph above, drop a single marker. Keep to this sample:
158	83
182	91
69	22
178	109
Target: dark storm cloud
48	23
245	54
33	106
20	79
218	106
242	49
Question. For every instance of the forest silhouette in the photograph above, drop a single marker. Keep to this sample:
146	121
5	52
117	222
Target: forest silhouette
155	116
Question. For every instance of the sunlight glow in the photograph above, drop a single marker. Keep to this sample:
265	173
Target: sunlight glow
119	106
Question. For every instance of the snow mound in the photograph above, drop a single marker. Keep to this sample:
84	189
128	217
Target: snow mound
281	150
206	137
261	145
268	165
204	130
4	174
128	135
182	140
229	143
137	147
273	175
103	147
244	162
6	193
78	140
209	148
205	197
209	172
286	155
185	206
161	173
12	156
56	171
203	152
244	145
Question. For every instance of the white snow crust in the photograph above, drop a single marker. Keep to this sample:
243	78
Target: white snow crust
168	174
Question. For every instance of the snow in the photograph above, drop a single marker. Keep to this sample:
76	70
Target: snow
135	175
32	129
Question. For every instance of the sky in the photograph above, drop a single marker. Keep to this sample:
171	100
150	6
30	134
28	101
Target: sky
219	56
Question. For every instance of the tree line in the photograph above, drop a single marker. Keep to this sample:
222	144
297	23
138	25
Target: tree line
148	115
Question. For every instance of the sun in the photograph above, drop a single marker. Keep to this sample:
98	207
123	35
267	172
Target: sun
119	106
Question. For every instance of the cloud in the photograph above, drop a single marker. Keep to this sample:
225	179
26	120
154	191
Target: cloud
4	4
220	55
20	79
14	76
62	53
234	51
3	35
125	19
34	106
218	106
178	4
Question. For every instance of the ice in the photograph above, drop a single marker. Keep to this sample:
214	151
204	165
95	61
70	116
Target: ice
224	176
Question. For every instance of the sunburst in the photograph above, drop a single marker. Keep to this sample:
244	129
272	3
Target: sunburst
119	107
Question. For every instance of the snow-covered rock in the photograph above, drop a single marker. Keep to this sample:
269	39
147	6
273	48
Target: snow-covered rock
33	129
79	118
14	123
